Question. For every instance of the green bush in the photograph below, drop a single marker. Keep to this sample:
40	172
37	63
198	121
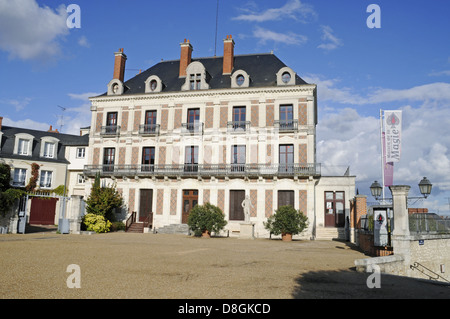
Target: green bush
206	218
286	220
96	223
116	226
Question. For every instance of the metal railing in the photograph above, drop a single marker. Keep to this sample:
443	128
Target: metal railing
206	170
286	125
149	129
192	128
428	223
238	126
110	130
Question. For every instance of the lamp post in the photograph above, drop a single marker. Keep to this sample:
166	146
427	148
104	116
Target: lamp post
376	189
425	187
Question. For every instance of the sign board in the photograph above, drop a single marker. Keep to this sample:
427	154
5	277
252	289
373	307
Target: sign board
380	231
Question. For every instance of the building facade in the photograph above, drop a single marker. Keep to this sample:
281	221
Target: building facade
218	130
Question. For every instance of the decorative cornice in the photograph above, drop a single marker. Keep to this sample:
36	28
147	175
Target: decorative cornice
305	88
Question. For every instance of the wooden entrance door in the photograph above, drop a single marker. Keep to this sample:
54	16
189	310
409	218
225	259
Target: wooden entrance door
190	199
145	205
236	209
334	209
43	211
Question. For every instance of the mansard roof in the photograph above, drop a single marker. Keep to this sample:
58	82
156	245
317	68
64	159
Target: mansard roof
262	69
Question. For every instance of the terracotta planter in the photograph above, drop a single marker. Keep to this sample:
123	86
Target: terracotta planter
286	237
206	234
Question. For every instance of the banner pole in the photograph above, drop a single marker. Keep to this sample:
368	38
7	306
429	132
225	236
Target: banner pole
382	151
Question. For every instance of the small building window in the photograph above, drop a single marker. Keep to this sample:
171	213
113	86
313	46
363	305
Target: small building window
49	150
20	175
23	148
81	152
81	179
46	179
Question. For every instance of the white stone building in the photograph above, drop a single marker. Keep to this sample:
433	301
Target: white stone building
216	129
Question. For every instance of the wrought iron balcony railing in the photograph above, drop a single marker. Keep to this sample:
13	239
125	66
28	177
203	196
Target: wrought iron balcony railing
110	130
286	125
149	129
192	128
238	126
206	170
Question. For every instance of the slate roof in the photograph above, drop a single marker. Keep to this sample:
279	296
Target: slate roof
8	140
262	69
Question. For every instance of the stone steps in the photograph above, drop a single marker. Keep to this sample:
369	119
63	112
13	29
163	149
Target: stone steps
330	233
174	229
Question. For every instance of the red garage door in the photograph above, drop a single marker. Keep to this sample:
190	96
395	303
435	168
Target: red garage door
43	211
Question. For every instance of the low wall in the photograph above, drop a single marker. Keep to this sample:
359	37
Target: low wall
418	256
365	242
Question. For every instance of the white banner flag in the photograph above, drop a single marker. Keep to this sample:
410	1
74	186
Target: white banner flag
393	134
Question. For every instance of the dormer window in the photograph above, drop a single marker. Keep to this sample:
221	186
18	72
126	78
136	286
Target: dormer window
115	87
23	148
49	147
153	84
195	77
286	76
23	144
240	79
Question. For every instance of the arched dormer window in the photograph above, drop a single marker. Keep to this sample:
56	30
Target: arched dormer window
240	79
286	76
49	147
153	84
115	87
195	77
23	144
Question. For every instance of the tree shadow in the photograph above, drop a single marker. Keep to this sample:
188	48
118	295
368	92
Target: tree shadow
350	284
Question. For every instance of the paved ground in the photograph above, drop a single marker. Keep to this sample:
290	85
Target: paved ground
120	265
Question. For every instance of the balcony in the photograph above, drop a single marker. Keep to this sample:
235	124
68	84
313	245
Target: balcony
192	128
110	131
207	170
286	125
238	126
149	129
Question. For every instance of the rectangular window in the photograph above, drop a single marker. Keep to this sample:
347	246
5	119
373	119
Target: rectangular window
286	117
238	158
111	123
49	150
286	163
81	152
239	118
285	198
81	179
23	147
195	81
46	179
19	176
108	159
148	159
191	159
193	119
150	122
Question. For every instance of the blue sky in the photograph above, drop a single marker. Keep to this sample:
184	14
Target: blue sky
403	65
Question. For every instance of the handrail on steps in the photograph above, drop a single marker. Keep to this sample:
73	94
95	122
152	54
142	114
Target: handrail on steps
416	265
130	220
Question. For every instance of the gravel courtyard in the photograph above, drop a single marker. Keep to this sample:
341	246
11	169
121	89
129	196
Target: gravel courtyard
124	265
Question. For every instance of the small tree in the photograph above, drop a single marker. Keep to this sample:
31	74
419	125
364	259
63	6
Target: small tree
206	219
286	220
103	200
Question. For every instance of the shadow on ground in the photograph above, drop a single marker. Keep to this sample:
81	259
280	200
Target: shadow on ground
29	229
353	285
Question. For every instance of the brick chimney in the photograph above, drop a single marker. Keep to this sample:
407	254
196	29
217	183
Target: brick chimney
52	131
228	55
185	57
119	65
1	120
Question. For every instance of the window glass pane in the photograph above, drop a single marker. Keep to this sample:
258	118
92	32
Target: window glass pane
329	195
339	195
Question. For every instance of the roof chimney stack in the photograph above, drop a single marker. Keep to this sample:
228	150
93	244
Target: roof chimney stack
228	55
119	65
1	120
186	56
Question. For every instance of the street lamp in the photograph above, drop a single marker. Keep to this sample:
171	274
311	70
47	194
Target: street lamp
376	189
425	187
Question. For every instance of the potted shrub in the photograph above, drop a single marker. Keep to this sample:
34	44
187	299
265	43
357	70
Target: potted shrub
286	221
205	219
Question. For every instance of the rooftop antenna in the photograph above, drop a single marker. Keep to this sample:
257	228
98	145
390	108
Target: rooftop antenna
217	19
62	118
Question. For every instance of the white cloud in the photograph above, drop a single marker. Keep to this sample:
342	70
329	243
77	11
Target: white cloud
290	38
293	9
83	41
28	31
26	123
331	41
440	73
19	104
